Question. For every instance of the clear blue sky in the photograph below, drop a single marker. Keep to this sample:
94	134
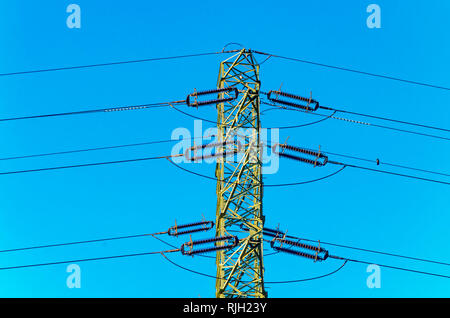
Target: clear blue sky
355	207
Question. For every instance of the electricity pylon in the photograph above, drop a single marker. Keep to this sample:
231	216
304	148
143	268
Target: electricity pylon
239	183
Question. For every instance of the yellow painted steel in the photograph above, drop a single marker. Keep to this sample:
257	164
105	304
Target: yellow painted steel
240	270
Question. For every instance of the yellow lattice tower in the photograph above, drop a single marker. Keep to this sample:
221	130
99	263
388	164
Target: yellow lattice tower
239	182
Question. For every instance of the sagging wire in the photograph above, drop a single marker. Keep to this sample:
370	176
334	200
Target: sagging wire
318	253
305	107
116	63
391	173
91	149
390	267
85	165
350	70
86	260
232	43
265	185
239	146
187	101
319	155
381	162
277	127
277	233
377	161
91	111
216	155
301	125
190	252
92	164
265	282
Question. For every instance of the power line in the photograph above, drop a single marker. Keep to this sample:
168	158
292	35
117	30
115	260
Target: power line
85	260
204	176
408	131
154	235
331	116
95	149
167	157
369	250
360	114
76	243
173	140
379	162
380	171
385	118
176	250
308	181
390	266
113	63
91	111
352	70
331	273
282	238
85	150
218	53
157	233
389	172
279	127
84	165
363	123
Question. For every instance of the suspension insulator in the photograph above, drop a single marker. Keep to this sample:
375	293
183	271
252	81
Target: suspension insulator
224	154
302	254
319	160
309	104
301	245
215	155
231	91
190	228
229	242
319	253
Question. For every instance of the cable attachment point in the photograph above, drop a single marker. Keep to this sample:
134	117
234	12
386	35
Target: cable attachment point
267	232
299	249
309	104
190	228
227	94
220	243
319	159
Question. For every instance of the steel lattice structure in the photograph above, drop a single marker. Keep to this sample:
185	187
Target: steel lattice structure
239	182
